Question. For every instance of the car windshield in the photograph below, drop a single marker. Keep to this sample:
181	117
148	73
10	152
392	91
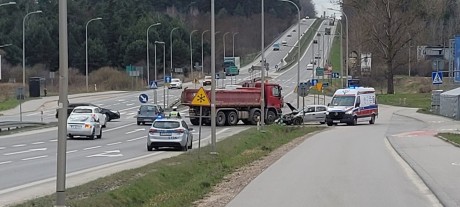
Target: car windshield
228	63
82	111
166	124
343	101
79	118
208	77
148	108
175	80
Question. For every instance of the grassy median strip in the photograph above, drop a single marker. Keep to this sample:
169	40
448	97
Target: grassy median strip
453	137
180	180
8	104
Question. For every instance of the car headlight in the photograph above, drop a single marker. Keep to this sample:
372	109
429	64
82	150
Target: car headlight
349	112
327	112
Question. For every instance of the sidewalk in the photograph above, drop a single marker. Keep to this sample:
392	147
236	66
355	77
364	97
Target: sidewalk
436	161
36	104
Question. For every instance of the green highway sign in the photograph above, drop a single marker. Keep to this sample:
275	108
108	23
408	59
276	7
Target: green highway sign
319	71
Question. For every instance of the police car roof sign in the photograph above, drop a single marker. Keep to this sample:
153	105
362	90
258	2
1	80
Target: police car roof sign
201	99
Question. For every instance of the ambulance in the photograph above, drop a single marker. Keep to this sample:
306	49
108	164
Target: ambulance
352	105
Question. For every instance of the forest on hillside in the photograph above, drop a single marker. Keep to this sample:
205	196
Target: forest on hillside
119	38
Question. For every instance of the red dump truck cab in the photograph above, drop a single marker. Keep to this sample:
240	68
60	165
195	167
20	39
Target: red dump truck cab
239	104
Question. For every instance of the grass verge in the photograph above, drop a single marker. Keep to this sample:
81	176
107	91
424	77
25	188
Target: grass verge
180	180
455	138
29	128
416	100
8	104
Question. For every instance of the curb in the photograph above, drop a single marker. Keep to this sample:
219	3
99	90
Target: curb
446	140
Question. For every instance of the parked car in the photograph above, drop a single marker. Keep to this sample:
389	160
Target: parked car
84	125
148	113
289	35
110	114
276	46
207	80
170	132
92	110
175	83
311	113
284	42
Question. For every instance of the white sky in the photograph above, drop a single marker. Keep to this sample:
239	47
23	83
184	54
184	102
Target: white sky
322	5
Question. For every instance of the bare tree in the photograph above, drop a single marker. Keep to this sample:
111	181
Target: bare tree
387	24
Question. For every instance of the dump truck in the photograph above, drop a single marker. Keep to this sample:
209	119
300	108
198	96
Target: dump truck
237	104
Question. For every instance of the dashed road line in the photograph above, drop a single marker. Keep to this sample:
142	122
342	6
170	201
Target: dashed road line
35	143
130	140
19	145
26	151
34	158
90	148
6	162
115	143
71	151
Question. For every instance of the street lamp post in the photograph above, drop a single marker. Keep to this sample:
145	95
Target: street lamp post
346	50
213	82
223	39
262	71
170	41
86	74
8	3
148	62
233	42
24	46
298	48
191	55
164	71
202	53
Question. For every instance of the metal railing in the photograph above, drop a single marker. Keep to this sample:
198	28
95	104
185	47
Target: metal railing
11	125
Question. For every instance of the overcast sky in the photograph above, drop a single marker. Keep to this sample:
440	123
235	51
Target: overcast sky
322	5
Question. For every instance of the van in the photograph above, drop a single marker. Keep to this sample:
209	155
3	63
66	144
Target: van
284	42
352	105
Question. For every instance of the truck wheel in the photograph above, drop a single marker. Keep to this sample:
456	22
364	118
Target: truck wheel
232	118
220	118
195	121
271	117
330	123
255	117
372	121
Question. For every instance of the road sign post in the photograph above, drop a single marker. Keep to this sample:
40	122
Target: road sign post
200	99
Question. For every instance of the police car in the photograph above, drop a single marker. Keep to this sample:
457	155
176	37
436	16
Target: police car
171	132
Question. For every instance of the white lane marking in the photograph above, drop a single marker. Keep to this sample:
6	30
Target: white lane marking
101	104
130	140
125	101
130	104
127	125
136	130
19	145
209	136
121	100
128	108
129	114
116	104
115	143
456	163
33	158
53	140
72	151
35	143
108	154
6	162
26	151
413	177
90	148
2	148
107	105
32	114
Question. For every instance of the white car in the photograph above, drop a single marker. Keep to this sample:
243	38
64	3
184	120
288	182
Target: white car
92	110
311	113
175	83
83	125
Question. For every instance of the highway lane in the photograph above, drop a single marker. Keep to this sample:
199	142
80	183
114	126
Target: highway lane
33	155
346	166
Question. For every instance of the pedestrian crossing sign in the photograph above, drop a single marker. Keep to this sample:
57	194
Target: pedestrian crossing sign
436	77
201	99
153	85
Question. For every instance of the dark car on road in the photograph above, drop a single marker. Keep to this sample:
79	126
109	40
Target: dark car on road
110	114
148	113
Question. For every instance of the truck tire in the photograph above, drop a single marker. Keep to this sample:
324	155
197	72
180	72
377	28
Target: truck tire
195	121
271	117
329	123
220	118
232	118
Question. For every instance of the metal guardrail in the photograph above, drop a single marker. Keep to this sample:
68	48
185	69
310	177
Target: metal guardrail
11	125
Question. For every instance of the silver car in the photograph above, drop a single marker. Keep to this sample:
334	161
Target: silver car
311	113
84	125
169	132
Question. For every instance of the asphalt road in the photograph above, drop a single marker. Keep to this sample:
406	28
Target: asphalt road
32	155
344	166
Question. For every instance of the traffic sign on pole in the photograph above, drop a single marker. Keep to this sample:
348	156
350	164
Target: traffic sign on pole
143	98
436	77
201	99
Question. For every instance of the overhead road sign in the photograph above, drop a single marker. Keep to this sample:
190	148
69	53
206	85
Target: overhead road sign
143	98
201	99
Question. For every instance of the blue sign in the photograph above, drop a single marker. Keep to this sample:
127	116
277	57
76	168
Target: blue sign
314	82
457	60
143	98
353	83
167	79
436	77
153	85
335	75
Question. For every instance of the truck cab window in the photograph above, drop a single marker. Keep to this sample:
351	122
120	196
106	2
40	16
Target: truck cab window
276	91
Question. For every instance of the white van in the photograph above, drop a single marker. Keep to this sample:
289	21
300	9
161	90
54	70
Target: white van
352	105
284	42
